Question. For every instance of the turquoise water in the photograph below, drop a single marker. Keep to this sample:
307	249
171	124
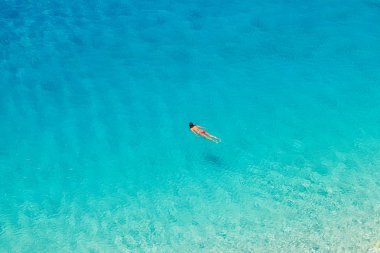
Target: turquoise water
95	151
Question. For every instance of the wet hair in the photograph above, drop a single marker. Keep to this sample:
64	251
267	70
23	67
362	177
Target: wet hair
191	124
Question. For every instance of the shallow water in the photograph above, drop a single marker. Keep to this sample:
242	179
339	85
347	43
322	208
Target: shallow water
95	152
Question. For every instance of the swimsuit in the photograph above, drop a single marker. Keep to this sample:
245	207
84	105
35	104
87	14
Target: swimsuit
202	131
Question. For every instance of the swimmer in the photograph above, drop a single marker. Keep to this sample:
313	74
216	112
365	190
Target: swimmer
199	130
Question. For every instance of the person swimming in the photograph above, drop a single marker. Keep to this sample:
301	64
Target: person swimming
200	130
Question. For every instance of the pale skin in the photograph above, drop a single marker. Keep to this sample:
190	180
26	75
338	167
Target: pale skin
200	131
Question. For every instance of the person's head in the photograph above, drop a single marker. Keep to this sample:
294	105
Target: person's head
191	124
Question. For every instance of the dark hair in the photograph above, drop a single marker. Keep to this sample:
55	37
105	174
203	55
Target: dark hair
191	124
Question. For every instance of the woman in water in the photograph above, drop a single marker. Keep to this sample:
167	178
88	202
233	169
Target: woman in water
199	130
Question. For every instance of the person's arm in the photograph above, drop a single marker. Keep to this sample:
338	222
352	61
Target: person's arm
194	132
202	127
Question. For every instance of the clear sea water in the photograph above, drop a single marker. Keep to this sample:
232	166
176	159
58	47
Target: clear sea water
95	101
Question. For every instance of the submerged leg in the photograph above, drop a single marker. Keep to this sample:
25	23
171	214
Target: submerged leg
214	137
211	135
209	138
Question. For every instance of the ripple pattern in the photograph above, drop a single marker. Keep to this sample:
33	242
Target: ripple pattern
95	154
